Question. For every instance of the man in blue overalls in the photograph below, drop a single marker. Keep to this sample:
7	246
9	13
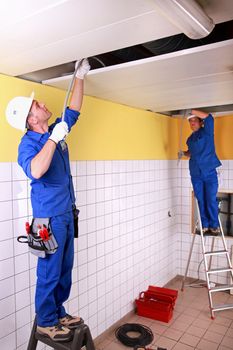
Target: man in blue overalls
202	165
43	155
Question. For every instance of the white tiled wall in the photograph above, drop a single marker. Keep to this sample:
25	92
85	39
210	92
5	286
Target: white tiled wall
184	218
127	241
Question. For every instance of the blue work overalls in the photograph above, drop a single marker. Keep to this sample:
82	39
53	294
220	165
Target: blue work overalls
202	165
52	197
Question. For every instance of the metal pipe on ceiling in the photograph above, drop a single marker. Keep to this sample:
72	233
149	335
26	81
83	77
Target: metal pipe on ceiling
188	16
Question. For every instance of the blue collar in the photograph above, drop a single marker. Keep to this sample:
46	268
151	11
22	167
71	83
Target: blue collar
37	136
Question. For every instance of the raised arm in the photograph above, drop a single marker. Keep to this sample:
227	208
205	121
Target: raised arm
77	93
41	162
76	99
199	114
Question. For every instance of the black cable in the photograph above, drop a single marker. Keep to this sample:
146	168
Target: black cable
146	336
202	285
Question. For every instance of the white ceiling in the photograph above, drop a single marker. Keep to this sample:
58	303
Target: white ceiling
41	34
201	76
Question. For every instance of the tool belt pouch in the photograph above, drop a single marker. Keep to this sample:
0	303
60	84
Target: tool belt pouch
75	214
40	245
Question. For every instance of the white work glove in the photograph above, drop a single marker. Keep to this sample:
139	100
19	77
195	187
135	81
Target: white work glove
180	154
59	132
83	68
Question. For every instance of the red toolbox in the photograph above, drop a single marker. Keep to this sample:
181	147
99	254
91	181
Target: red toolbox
157	303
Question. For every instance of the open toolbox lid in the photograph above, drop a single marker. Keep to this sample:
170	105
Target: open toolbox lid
163	291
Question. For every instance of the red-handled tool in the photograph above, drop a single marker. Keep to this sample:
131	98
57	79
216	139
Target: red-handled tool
27	227
43	232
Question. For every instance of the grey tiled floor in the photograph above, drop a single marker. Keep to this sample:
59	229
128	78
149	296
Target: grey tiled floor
191	326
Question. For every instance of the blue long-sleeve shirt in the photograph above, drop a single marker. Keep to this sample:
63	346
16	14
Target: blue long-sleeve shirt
53	193
200	143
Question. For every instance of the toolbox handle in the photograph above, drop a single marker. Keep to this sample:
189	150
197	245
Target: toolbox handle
160	294
140	295
172	302
162	302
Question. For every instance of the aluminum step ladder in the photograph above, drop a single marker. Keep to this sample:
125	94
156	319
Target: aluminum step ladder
198	231
82	338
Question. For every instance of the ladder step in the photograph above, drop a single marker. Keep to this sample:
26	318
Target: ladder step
223	269
222	307
54	345
216	252
221	288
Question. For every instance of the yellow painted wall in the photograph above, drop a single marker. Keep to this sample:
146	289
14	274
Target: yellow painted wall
108	130
223	136
105	130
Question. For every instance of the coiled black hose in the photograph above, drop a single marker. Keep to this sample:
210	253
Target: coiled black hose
146	336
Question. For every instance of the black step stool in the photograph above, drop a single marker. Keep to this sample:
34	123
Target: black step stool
82	337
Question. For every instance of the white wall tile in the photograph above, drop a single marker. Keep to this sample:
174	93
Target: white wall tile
90	182
6	249
21	281
22	299
7	287
23	334
7	326
5	211
20	248
81	183
119	219
81	168
99	181
17	172
6	268
20	208
100	167
19	226
20	189
8	342
5	172
6	230
23	317
5	191
73	168
7	306
91	167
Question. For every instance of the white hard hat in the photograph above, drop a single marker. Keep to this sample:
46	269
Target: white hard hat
191	116
17	111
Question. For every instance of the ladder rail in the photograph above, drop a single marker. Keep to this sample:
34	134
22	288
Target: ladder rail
207	263
189	259
211	256
225	246
205	259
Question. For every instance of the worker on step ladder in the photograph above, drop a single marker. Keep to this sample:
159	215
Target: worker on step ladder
202	165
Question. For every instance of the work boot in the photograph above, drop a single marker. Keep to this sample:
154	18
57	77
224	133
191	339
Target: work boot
71	322
56	333
215	231
205	230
